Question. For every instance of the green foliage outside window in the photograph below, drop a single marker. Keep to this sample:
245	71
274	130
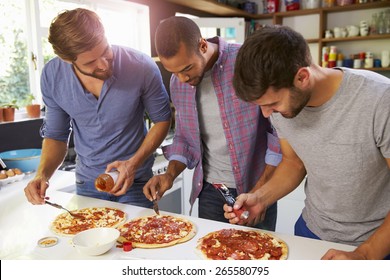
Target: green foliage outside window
14	85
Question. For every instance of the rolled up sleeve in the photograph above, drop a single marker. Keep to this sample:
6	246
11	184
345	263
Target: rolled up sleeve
273	154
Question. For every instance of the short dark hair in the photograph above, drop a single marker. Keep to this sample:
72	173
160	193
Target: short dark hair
173	31
270	57
76	31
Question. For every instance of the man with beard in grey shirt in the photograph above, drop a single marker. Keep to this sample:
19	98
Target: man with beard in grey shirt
334	127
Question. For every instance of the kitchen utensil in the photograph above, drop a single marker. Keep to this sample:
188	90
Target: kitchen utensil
155	207
2	164
353	30
337	32
230	200
95	241
77	216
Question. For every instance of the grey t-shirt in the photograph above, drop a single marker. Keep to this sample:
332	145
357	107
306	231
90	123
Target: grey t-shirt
343	144
217	166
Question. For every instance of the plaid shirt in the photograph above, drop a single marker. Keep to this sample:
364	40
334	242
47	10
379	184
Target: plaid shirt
248	134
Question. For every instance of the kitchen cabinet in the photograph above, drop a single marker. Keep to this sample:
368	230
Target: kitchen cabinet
320	19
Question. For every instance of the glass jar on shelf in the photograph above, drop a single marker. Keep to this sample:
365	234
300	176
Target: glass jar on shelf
387	21
374	24
381	27
328	3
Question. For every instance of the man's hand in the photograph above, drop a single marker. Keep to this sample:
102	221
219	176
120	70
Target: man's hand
155	188
334	254
35	190
125	178
252	203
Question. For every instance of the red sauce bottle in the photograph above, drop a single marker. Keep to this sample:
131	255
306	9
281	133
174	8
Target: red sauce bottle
106	181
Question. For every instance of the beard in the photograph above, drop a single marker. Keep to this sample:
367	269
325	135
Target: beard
198	79
97	73
298	101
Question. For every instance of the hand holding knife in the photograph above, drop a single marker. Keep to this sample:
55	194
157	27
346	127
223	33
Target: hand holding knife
155	205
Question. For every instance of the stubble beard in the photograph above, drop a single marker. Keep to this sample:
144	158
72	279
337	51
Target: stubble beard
299	100
97	74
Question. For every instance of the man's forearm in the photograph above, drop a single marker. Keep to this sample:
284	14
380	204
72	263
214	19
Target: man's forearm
53	154
377	246
174	169
264	178
286	177
152	141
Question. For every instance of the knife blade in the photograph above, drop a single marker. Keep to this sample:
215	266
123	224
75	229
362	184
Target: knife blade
155	207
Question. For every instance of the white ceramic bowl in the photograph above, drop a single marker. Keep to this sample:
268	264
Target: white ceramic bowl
95	241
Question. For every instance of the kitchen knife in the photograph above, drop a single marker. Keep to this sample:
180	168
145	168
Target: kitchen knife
155	207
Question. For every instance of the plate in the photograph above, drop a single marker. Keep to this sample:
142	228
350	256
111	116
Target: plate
12	179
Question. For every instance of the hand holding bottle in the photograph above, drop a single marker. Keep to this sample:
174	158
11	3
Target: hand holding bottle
117	179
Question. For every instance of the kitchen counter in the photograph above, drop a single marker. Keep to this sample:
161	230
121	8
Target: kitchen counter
23	224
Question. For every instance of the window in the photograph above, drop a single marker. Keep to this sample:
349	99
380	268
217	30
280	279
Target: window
24	48
14	73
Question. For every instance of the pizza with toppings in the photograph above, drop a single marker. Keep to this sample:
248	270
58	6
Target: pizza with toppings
93	217
156	231
235	244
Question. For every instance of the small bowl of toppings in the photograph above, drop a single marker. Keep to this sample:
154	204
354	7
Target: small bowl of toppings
95	241
47	241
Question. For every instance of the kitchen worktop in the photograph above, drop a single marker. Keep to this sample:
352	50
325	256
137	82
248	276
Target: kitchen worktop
23	224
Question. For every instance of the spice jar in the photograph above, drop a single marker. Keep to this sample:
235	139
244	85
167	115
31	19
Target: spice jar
106	181
369	60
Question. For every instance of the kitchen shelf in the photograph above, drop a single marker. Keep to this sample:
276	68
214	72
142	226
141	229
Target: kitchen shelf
356	38
378	69
357	6
220	9
323	23
213	7
223	10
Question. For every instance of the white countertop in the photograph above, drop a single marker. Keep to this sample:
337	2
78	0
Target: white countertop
23	224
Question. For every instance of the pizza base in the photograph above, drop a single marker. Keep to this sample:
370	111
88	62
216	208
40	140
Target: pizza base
62	225
183	239
278	241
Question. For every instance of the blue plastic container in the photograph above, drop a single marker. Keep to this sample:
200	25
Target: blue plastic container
27	160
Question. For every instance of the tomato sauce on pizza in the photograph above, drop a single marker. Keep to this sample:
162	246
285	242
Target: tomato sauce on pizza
156	231
241	245
65	224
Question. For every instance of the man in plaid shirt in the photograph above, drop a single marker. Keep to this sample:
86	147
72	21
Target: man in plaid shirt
225	139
